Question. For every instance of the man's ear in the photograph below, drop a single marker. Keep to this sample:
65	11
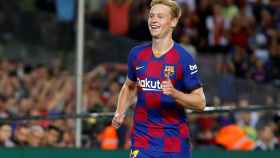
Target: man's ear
174	22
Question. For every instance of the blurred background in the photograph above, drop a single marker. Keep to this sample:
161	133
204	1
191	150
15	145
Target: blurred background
235	42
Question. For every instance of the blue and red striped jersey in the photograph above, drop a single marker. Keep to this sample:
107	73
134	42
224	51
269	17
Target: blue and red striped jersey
160	124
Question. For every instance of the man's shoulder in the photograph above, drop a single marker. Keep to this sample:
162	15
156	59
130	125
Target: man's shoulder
140	47
180	49
183	52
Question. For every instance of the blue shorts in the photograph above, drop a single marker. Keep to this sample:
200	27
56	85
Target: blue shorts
140	153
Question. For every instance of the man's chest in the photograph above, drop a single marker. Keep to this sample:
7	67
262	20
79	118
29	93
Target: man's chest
158	70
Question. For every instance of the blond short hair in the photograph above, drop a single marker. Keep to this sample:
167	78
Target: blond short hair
172	4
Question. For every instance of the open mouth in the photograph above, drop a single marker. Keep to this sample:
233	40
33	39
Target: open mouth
154	27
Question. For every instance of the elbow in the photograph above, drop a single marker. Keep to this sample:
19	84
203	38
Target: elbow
201	106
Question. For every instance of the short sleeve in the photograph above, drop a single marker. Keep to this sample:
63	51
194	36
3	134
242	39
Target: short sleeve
131	74
190	74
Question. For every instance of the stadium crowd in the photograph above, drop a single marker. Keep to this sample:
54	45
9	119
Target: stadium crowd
28	90
38	90
246	32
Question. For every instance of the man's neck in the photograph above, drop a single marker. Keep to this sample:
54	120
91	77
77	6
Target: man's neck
161	46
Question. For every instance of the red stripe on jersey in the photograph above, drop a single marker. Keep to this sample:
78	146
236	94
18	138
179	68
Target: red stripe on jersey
146	54
172	57
152	99
183	130
179	72
172	144
155	132
141	142
170	116
154	69
141	114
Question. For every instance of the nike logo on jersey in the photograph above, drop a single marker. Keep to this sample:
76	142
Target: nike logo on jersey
139	67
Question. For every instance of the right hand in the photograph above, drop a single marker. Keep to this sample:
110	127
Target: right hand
118	120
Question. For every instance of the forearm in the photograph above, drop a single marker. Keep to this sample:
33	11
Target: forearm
193	101
125	98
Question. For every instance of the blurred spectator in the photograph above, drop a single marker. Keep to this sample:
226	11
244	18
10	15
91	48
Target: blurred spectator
232	137
6	136
239	31
203	11
240	62
21	135
187	25
258	72
185	42
205	136
266	138
36	136
114	89
247	120
68	140
275	63
108	138
225	82
216	26
54	136
190	3
118	16
230	10
138	21
3	111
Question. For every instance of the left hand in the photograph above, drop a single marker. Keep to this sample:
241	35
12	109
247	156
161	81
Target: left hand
167	87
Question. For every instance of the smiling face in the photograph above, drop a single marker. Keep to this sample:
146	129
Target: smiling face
160	21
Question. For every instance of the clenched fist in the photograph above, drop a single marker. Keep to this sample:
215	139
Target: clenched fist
167	87
118	120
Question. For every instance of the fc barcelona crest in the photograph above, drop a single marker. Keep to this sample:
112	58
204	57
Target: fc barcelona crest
169	71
